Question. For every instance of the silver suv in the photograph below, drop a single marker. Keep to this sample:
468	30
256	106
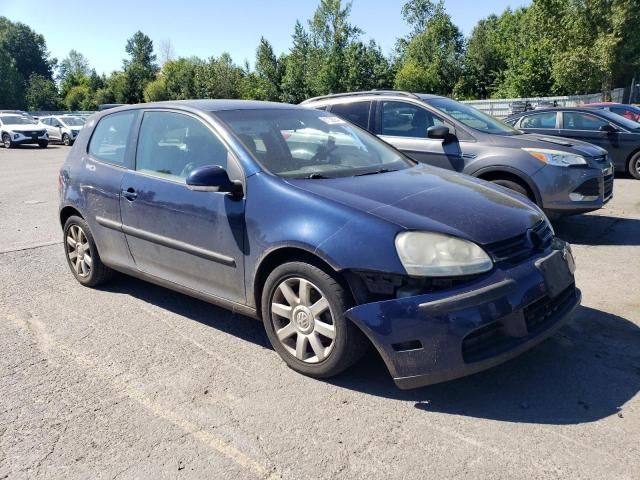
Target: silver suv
562	176
62	128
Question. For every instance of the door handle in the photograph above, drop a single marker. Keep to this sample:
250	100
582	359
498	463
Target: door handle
130	194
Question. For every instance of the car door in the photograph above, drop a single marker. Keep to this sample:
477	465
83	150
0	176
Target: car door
586	126
542	123
55	131
404	125
190	238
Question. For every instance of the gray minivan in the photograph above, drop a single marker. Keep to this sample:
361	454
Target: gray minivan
562	176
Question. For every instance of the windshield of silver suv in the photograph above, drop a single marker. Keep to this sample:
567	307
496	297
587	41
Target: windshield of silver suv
300	143
15	120
73	121
471	117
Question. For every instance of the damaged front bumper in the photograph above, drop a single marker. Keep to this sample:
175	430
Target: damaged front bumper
440	336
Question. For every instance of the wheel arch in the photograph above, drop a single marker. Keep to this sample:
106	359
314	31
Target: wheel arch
68	211
288	253
506	173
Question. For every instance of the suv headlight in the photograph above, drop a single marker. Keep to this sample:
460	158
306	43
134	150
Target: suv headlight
556	158
428	254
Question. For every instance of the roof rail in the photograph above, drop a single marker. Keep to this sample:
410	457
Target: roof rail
369	92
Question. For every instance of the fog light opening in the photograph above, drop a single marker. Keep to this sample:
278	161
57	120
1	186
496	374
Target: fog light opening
407	346
578	197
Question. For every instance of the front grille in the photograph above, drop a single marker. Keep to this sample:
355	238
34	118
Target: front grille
590	188
540	313
491	340
521	246
608	186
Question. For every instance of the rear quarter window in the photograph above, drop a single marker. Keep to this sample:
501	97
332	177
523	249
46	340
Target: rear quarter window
109	140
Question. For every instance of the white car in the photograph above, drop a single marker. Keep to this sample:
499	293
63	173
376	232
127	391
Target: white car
16	129
62	128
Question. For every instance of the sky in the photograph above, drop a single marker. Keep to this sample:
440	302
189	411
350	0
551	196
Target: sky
204	28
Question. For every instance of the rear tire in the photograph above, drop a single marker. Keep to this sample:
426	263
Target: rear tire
634	166
82	254
303	313
6	141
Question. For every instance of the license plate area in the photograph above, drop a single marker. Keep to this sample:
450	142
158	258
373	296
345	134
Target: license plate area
556	271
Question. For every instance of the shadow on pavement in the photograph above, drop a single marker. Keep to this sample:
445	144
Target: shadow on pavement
598	230
586	372
246	328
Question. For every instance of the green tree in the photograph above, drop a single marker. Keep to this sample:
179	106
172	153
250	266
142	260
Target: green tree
140	68
366	67
41	93
268	73
11	82
294	85
218	78
79	98
72	71
431	61
156	90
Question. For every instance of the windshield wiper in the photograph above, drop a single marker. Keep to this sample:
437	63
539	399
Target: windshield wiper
315	176
381	170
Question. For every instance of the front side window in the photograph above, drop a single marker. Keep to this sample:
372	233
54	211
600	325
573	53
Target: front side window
582	121
401	119
109	140
471	117
171	145
300	143
355	112
539	120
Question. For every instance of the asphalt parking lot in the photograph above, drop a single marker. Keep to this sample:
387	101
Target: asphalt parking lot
134	381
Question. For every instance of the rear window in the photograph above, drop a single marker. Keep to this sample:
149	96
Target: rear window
109	140
356	112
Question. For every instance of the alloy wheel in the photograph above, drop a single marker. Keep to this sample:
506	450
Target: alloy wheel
79	251
302	320
6	141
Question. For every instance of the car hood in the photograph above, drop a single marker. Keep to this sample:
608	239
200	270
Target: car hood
432	199
534	140
22	128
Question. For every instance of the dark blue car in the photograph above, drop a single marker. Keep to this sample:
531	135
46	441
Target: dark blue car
330	236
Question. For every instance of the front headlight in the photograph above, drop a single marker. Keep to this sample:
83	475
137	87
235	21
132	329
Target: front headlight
428	254
556	158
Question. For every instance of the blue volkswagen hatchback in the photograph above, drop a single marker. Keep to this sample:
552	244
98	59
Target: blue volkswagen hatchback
330	236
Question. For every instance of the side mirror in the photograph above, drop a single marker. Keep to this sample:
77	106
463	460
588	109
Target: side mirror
608	129
438	131
212	178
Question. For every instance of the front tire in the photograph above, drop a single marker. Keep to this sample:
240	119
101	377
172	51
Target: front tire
303	313
516	187
634	166
82	254
43	144
66	139
6	141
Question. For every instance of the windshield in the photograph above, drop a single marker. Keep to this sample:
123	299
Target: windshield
471	117
15	120
73	121
620	120
298	143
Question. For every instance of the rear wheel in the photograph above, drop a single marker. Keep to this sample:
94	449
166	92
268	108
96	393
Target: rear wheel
6	140
303	313
634	166
66	139
82	254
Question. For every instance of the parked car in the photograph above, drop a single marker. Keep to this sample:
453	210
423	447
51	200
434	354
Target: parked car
544	104
520	106
62	128
562	178
16	129
630	112
616	134
356	244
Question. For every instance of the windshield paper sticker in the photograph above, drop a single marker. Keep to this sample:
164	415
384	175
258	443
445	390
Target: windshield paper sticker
332	120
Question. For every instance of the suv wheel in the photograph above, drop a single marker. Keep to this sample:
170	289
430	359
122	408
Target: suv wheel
82	254
634	166
303	313
66	140
43	144
516	187
6	140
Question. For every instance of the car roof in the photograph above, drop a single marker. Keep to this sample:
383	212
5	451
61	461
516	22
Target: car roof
206	105
368	94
